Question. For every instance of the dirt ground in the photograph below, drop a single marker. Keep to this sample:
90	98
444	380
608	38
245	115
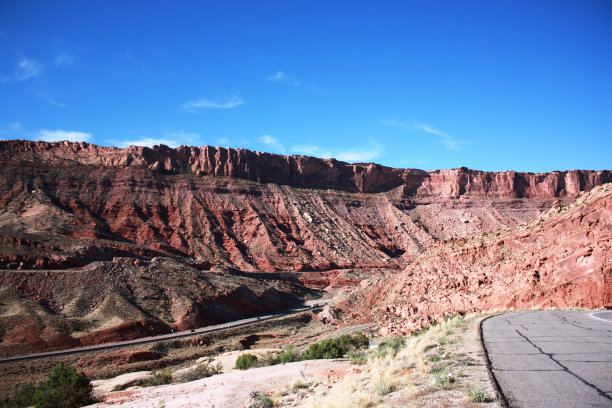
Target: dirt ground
233	389
447	368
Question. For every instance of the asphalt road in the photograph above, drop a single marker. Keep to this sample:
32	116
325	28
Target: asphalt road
311	305
552	358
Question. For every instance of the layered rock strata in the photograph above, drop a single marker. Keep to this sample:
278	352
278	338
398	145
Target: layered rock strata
100	244
561	259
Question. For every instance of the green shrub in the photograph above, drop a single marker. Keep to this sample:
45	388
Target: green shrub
287	356
23	398
161	377
336	348
357	341
64	388
203	370
246	361
325	350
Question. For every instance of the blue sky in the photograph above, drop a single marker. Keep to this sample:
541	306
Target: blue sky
490	85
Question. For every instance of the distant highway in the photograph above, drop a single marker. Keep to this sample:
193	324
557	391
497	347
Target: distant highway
170	336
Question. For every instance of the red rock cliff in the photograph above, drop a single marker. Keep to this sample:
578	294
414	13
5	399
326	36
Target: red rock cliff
310	172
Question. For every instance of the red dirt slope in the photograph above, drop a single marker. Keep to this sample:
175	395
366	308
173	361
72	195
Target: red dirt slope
561	259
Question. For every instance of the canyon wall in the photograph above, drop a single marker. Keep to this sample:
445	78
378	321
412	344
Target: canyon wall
100	243
310	172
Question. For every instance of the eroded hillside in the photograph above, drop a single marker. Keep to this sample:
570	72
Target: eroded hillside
560	259
100	243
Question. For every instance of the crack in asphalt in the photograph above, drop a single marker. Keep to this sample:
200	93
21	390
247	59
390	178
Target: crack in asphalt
566	320
566	369
518	327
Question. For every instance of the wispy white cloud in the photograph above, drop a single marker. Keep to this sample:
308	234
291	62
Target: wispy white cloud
311	150
432	130
16	131
202	103
223	141
273	143
446	139
183	138
283	78
450	142
367	153
25	69
60	135
50	100
171	139
361	155
149	142
63	59
397	124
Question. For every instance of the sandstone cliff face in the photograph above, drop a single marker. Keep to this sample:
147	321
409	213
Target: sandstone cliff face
310	172
68	204
125	223
461	182
561	259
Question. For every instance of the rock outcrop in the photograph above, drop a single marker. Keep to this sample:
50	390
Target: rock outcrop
561	259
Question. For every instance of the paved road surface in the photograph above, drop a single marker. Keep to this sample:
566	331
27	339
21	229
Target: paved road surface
552	358
310	305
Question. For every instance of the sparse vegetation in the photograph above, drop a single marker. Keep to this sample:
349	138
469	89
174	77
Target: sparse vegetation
326	349
23	398
390	347
445	377
336	348
298	384
160	404
443	340
246	361
65	388
287	356
262	401
477	394
400	365
202	370
160	377
357	358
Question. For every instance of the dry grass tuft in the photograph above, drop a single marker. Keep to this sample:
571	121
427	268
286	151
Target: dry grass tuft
403	369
